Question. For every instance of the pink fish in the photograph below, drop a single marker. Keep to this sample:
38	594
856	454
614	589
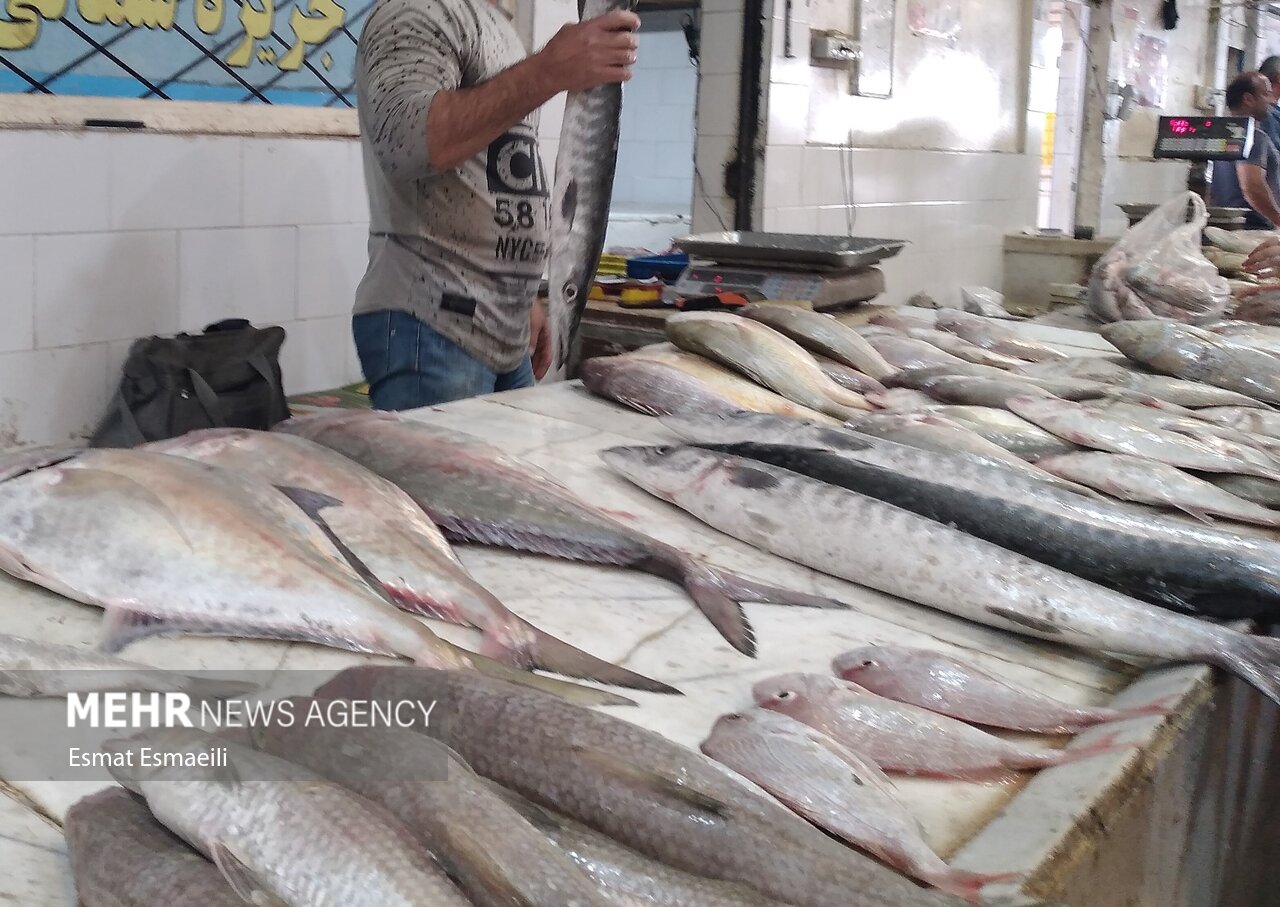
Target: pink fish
905	738
837	790
942	684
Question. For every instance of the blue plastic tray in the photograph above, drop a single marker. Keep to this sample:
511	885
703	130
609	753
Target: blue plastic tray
668	267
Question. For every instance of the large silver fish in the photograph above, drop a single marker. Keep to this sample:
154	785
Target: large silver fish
583	186
1188	352
122	857
820	333
1162	387
765	356
391	536
280	834
172	547
958	346
869	542
837	789
477	493
989	335
1004	429
665	800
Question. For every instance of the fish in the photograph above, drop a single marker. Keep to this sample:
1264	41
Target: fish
903	738
278	833
905	353
171	547
963	349
960	690
1261	423
1094	429
821	334
33	669
664	800
405	553
626	877
1004	429
1146	482
122	857
901	400
846	377
486	847
1065	387
580	196
1190	353
902	320
740	393
1264	337
1230	240
1261	305
765	356
924	433
836	789
1162	387
1187	422
1260	491
875	544
1187	294
19	462
987	334
1136	552
476	493
967	391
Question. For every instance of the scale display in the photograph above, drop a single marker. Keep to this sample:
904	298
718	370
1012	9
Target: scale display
1204	138
773	284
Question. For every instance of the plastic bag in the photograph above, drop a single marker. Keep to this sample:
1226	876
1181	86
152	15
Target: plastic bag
984	301
1157	271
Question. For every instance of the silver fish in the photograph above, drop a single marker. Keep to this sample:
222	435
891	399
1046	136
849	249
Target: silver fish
903	353
1260	491
846	377
477	493
1162	387
274	829
837	789
822	334
958	346
29	668
949	686
1005	429
968	391
1188	352
903	738
765	356
1261	423
875	544
901	400
583	187
391	537
1093	429
1146	482
122	857
987	334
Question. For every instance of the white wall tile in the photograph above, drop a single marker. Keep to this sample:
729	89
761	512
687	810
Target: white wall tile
56	181
317	355
331	263
66	397
783	176
788	114
17	293
105	286
821	182
723	6
718	105
245	273
791	220
299	181
721	46
163	182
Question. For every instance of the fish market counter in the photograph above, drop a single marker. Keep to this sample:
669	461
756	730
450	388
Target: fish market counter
1151	825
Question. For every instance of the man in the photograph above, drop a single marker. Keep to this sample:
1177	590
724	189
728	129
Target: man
1253	183
458	194
1271	69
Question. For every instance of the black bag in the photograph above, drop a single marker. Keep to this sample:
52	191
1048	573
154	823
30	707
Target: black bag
228	376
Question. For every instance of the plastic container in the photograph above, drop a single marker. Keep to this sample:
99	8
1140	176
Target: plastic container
667	267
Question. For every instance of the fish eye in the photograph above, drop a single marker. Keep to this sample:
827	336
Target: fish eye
734	717
869	664
570	291
784	695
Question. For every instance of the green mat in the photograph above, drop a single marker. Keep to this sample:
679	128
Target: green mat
353	396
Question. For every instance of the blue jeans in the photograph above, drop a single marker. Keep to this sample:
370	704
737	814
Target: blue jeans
409	365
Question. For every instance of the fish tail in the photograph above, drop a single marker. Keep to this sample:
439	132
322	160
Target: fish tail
1110	743
1255	659
563	689
966	885
717	602
1163	706
548	653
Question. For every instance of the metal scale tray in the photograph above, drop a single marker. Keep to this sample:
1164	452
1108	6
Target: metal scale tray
791	250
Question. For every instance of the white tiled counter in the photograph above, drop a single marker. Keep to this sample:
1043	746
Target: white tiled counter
1147	826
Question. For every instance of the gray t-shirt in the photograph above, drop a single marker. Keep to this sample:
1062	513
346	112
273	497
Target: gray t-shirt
1225	191
464	249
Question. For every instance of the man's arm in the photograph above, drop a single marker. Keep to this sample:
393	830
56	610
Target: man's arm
463	121
1253	184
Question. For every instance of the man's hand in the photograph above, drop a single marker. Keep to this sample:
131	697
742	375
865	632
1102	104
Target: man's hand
539	340
587	54
1264	261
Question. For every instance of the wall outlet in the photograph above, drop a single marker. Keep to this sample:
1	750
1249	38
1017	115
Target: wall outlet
833	48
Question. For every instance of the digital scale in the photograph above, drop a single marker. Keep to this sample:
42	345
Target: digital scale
829	271
1204	138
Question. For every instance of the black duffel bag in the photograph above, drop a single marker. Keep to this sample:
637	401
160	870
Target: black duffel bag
228	376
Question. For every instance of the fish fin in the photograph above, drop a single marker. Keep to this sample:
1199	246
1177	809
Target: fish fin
549	653
1255	659
541	819
563	689
1110	743
310	502
966	885
122	627
243	881
653	782
745	589
1198	514
1161	707
472	857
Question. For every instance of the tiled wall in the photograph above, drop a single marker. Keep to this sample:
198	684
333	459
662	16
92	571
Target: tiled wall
106	238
